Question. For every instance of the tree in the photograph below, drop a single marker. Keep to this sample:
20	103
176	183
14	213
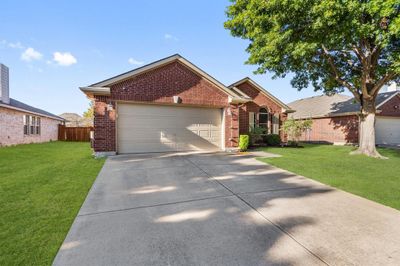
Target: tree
333	45
89	113
294	128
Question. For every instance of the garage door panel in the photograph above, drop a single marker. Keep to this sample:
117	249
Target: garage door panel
148	147
387	130
152	128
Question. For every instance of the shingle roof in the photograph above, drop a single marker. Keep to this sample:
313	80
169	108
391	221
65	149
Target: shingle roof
325	106
20	105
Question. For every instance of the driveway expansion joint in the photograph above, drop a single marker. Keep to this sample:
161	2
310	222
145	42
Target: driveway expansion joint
237	195
153	206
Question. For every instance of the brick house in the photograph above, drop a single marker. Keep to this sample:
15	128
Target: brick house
172	105
21	123
335	118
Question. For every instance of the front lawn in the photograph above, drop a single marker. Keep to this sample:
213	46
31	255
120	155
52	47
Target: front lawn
42	187
374	179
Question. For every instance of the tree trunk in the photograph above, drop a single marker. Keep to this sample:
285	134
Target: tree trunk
367	130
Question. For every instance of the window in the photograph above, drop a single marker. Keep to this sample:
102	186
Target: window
263	117
26	124
38	125
31	125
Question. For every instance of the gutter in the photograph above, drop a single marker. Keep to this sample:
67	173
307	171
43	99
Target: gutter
30	112
232	99
91	91
328	115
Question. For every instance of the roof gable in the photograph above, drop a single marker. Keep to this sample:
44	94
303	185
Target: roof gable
261	89
17	105
102	87
335	105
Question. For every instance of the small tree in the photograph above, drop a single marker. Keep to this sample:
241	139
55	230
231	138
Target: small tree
89	113
295	128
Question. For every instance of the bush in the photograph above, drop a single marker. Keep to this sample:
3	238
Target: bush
244	142
256	134
272	139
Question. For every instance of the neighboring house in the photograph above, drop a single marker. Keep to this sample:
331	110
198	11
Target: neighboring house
75	120
172	105
21	123
335	118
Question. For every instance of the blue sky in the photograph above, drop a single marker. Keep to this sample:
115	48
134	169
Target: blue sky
54	47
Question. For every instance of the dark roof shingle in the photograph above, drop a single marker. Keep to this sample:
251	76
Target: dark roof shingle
20	105
325	106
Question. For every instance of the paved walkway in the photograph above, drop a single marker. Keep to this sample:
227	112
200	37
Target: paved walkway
224	209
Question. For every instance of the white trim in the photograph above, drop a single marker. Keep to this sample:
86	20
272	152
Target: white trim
237	100
223	135
385	101
30	112
240	92
162	62
327	116
96	91
263	91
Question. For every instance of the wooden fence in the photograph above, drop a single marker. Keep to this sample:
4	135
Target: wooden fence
74	133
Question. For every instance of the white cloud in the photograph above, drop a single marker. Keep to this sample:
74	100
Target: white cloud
31	54
168	36
133	61
64	59
16	45
13	45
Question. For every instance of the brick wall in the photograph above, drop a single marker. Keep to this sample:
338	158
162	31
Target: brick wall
12	128
174	79
104	122
232	126
391	107
259	101
338	130
158	86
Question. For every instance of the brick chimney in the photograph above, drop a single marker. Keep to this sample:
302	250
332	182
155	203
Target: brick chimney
4	84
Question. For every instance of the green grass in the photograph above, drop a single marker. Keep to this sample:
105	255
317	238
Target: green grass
42	187
374	179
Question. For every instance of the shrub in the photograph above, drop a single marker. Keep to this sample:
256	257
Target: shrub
256	134
272	139
244	142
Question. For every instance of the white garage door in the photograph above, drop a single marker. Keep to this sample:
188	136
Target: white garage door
155	128
387	130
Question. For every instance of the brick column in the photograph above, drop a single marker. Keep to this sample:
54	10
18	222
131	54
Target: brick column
232	126
104	125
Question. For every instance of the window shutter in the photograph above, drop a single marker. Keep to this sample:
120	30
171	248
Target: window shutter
251	121
275	126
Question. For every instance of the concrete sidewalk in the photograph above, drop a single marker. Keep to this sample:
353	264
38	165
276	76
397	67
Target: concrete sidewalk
224	209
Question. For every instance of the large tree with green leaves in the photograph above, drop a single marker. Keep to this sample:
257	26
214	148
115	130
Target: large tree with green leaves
333	45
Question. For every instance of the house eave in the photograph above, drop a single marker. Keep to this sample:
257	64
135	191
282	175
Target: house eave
236	100
157	64
327	115
388	99
288	111
94	91
30	112
262	90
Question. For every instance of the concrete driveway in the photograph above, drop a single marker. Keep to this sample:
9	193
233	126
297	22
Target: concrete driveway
223	209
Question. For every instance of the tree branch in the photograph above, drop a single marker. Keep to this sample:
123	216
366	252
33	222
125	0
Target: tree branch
385	79
336	74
